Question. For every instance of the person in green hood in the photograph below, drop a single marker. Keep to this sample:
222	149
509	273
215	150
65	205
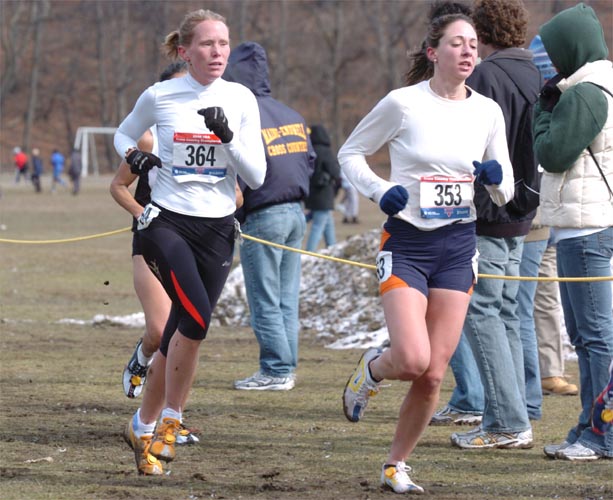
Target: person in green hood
573	139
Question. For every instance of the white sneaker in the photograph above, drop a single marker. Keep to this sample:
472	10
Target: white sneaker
186	435
396	478
476	430
360	387
449	416
551	449
485	439
577	452
135	374
262	382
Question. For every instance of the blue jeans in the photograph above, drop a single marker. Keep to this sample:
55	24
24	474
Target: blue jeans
589	323
467	396
530	262
322	225
492	328
272	282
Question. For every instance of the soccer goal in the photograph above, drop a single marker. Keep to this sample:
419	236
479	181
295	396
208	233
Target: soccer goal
85	142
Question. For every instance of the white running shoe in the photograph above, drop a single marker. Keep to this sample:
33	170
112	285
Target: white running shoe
577	452
396	477
135	374
551	449
186	435
262	382
486	439
360	387
449	416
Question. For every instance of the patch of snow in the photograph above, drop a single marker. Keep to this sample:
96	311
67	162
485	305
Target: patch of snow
134	320
339	302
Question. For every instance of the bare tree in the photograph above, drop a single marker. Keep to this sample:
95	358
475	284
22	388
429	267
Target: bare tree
330	59
392	23
40	10
15	38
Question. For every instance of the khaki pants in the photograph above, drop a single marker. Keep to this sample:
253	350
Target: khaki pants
547	315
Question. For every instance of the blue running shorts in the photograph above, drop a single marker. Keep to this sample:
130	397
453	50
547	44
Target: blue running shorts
443	258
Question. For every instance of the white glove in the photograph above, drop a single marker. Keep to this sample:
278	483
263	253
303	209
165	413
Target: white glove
150	213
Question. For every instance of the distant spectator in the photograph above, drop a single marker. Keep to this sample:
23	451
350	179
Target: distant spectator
74	171
21	164
37	169
320	201
57	162
350	202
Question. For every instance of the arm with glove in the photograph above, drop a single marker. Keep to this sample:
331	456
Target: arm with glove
244	145
495	171
131	130
374	130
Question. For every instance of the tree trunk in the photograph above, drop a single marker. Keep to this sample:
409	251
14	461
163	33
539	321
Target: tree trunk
39	13
15	38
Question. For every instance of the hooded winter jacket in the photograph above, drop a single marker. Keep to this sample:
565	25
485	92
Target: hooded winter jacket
574	193
509	77
290	156
327	172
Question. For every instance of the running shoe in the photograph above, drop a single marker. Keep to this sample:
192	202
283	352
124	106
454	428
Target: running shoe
261	382
551	449
449	416
134	374
396	477
146	463
484	439
165	438
360	387
187	435
577	453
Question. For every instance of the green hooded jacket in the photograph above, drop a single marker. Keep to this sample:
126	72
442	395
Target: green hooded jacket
572	38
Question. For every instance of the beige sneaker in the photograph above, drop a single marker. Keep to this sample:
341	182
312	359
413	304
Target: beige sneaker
164	439
146	463
558	386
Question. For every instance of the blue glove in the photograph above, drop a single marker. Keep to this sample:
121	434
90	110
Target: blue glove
489	172
394	200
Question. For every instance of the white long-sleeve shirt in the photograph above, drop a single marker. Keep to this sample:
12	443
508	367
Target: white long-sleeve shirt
432	143
198	176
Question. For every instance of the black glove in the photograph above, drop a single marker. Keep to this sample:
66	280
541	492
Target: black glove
141	162
550	93
216	121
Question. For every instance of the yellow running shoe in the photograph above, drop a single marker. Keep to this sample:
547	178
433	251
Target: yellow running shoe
360	387
146	463
164	439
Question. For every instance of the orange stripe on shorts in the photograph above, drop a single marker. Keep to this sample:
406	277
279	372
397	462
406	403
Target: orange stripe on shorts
391	283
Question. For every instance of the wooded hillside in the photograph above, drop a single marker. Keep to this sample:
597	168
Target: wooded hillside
72	63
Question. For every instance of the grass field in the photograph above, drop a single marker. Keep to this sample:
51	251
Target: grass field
63	409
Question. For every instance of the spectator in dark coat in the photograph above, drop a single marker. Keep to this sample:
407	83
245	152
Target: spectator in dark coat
75	170
322	190
37	169
274	213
